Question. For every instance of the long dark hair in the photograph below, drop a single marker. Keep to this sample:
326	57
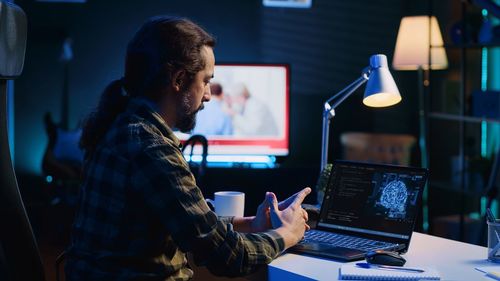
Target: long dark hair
161	47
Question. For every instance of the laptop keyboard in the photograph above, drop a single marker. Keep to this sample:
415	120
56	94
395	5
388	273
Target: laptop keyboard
346	241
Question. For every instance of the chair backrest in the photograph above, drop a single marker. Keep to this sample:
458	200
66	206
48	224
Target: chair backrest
19	256
12	40
377	148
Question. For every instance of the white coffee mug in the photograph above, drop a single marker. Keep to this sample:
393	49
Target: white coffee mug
228	203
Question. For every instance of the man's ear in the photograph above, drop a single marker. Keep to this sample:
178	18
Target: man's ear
178	79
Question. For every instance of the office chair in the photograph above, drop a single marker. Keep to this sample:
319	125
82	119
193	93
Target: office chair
19	256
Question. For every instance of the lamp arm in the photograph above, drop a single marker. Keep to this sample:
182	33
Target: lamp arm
329	112
360	81
350	90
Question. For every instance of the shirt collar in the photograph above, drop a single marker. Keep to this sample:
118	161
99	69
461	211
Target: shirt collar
137	104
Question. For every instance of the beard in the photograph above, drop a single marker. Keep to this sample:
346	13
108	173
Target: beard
186	119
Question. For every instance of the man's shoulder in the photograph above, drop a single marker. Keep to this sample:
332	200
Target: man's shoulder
153	148
133	134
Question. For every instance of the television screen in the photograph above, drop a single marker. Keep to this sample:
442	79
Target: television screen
248	112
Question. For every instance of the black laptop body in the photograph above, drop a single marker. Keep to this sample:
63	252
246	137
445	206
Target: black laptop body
374	205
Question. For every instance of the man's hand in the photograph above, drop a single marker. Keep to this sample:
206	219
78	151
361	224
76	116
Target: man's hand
285	203
291	221
262	220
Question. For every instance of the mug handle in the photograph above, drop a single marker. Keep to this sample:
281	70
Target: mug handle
211	204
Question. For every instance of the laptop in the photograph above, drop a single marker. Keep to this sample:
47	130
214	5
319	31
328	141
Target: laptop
366	207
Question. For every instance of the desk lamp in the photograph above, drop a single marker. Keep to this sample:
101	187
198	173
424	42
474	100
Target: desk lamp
381	91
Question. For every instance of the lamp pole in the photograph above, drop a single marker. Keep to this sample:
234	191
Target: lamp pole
329	112
422	112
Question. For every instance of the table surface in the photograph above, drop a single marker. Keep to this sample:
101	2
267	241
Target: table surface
454	260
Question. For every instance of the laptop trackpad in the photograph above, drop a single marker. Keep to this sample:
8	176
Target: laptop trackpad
325	250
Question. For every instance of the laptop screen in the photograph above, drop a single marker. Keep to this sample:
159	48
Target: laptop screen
373	199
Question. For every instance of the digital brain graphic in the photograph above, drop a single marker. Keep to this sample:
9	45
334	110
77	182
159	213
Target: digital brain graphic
393	197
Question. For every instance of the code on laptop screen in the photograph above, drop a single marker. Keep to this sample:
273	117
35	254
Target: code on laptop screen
373	199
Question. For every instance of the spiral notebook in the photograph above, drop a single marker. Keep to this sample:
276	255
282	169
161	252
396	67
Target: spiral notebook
353	272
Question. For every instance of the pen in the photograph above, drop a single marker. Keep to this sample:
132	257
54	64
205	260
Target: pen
489	215
386	267
493	274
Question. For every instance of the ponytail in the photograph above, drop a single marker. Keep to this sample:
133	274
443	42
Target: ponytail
113	101
162	46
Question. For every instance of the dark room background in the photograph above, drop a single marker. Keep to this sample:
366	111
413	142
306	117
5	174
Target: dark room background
326	46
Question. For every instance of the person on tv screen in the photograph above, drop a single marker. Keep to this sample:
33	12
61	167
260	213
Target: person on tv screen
213	120
251	117
140	210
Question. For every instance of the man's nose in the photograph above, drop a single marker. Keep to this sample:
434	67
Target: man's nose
208	93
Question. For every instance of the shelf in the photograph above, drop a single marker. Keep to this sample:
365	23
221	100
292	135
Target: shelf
454	187
454	117
472	45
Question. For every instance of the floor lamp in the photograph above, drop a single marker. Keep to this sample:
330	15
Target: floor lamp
381	91
418	45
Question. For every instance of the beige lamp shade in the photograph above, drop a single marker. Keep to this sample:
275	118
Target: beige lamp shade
412	44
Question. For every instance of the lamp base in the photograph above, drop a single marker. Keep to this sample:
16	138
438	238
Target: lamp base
321	184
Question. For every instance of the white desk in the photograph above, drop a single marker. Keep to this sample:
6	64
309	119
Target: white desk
454	261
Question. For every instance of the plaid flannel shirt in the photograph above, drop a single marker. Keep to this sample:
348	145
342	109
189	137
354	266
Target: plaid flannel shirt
140	211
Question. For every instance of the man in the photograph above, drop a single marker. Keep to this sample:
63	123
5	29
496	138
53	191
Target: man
251	117
213	120
140	210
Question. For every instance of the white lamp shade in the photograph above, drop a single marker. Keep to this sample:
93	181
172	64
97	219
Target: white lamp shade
381	90
412	44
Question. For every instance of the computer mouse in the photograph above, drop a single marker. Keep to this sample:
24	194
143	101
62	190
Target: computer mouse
385	258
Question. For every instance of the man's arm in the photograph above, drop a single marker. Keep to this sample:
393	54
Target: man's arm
243	224
170	191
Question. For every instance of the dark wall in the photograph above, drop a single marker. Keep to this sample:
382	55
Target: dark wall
100	31
327	46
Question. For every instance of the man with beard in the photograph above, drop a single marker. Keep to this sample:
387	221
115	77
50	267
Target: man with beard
140	210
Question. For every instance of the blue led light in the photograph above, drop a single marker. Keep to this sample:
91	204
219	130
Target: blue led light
253	161
484	139
49	179
484	69
484	87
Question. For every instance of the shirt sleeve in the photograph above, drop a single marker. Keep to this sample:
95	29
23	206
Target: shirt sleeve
170	191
